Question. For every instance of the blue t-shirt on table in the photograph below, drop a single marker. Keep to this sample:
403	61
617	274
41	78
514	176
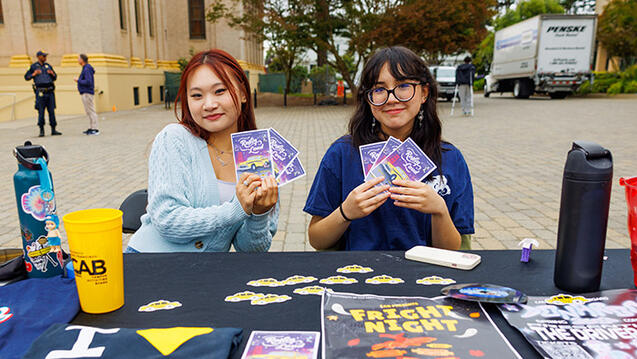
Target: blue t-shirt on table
389	227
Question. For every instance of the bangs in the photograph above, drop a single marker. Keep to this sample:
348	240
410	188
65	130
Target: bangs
403	65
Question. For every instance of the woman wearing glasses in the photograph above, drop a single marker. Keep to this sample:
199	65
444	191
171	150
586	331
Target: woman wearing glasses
396	97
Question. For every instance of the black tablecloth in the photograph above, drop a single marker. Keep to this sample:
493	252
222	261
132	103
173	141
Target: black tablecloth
202	281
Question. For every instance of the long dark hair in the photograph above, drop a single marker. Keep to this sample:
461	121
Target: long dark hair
223	65
404	64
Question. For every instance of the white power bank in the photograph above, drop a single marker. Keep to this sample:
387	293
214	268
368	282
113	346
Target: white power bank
443	257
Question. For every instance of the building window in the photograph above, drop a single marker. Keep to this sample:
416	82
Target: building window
150	94
151	14
1	16
122	14
136	96
43	10
161	93
137	27
197	19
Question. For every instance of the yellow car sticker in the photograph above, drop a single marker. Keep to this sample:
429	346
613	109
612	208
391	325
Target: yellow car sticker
434	279
338	279
298	279
563	299
383	279
311	290
159	305
241	296
270	298
354	268
266	282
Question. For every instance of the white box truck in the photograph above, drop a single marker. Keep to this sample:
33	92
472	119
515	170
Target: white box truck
549	54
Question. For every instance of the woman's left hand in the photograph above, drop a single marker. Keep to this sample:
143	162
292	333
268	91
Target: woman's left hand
266	196
418	196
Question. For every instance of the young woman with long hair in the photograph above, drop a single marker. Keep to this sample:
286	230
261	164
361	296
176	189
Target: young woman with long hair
396	97
194	203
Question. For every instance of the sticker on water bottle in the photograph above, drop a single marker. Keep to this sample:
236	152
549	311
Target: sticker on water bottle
33	204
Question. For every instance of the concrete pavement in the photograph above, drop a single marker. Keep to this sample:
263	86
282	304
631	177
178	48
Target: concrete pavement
515	150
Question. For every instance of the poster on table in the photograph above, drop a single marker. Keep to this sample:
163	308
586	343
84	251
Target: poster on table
371	326
589	326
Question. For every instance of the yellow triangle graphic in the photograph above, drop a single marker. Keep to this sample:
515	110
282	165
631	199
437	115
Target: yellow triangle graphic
167	340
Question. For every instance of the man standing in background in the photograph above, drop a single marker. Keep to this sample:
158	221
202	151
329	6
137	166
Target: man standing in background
464	80
42	74
86	87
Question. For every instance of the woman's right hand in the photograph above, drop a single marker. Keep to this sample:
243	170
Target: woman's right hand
365	198
246	190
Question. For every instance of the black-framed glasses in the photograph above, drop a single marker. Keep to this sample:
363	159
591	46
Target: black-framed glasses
403	93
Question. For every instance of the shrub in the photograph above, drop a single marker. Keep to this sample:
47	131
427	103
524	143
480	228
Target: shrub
629	74
478	84
585	88
604	80
631	87
615	88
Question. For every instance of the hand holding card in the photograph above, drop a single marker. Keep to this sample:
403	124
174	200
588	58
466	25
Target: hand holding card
364	199
417	195
266	195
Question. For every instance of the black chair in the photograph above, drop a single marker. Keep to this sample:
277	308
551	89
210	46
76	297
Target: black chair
134	206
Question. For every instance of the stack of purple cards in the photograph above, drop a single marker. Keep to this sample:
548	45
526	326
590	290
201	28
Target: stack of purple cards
396	160
266	153
263	344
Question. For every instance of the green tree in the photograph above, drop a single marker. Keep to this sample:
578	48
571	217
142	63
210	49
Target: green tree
483	56
579	6
617	30
348	31
435	28
277	22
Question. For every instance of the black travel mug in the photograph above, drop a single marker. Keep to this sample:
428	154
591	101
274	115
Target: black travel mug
581	233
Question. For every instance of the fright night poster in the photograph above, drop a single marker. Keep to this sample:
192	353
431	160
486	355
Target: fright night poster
370	326
595	325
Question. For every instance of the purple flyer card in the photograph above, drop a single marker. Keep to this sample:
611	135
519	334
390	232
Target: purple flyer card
251	150
369	154
281	150
390	145
407	162
282	345
292	172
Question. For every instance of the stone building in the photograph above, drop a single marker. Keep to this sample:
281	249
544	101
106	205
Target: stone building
130	43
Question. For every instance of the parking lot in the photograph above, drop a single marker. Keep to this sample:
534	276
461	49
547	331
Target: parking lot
515	150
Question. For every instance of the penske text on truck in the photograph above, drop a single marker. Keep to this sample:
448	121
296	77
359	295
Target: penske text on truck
549	54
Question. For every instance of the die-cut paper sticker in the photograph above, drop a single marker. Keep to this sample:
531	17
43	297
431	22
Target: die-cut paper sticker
434	279
338	279
270	299
354	268
383	279
266	282
298	279
563	299
311	290
159	305
241	296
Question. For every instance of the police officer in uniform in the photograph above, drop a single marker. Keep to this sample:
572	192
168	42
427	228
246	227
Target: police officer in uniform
43	76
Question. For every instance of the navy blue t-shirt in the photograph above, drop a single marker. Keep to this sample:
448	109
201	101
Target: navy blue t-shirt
389	227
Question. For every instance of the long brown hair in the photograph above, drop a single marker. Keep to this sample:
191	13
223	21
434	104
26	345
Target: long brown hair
403	64
224	66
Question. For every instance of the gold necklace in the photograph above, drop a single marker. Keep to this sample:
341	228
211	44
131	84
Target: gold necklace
218	154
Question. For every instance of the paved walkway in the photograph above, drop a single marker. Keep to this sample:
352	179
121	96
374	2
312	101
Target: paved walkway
515	150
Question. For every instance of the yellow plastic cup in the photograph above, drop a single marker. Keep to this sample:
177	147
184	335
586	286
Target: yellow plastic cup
95	240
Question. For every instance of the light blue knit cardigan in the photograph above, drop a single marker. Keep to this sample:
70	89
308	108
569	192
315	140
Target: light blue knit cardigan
183	210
